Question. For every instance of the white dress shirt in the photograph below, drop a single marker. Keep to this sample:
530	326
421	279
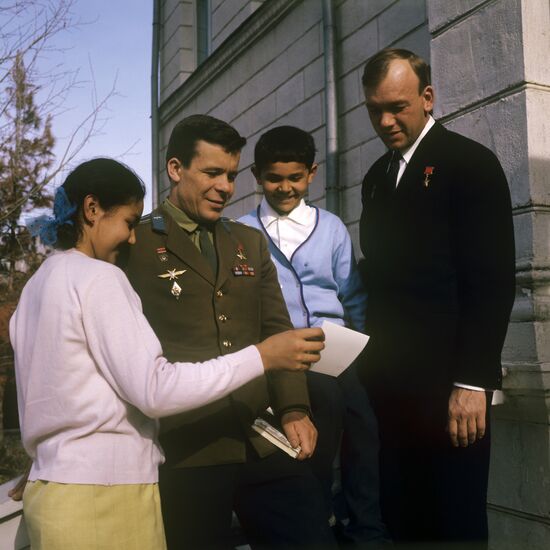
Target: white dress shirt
288	232
408	153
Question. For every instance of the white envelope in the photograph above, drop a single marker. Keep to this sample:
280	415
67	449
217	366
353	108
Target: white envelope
342	346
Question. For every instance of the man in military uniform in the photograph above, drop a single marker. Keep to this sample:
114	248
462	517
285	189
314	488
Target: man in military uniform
208	287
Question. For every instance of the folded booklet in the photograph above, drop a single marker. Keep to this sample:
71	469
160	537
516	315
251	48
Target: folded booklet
264	426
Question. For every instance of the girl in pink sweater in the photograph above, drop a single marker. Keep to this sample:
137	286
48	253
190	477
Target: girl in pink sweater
91	377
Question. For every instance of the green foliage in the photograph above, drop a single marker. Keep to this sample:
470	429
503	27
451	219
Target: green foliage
26	157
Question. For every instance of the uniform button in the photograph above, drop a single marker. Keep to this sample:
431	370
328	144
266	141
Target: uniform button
219	294
227	343
222	318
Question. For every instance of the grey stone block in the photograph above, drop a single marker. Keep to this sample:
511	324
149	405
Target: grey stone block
258	117
444	12
350	202
510	531
168	88
290	94
520	344
479	57
314	76
371	150
536	40
308	115
358	47
245	185
316	190
264	51
353	14
181	60
501	126
354	128
538	136
239	18
225	14
353	230
523	230
398	20
301	18
350	91
520	480
541	237
305	49
182	14
418	42
350	167
268	79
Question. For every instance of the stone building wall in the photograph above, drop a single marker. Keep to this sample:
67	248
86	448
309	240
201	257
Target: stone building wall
492	74
271	72
492	79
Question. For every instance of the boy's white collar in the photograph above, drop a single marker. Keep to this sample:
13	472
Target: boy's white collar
299	215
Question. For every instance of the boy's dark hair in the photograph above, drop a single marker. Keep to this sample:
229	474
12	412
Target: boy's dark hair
377	67
186	133
284	144
111	182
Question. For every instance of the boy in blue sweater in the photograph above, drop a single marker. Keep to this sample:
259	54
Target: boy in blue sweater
312	251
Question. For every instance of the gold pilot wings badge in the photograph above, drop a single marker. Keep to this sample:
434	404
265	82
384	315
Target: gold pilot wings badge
172	275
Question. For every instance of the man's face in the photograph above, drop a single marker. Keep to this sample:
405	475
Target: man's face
285	184
397	110
203	189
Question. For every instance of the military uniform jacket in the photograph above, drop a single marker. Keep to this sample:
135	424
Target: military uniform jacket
213	316
439	265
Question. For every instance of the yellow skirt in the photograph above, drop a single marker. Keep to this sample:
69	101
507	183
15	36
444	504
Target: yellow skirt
62	516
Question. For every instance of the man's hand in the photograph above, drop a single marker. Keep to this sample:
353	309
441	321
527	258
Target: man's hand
299	430
292	350
466	416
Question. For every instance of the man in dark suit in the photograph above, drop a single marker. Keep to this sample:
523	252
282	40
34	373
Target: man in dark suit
437	235
208	287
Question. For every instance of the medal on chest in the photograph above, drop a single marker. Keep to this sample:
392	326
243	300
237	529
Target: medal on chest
161	254
242	269
428	172
172	275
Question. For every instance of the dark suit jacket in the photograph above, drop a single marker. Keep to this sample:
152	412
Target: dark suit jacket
439	266
213	317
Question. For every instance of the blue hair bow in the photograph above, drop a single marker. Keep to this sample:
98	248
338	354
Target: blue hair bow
46	226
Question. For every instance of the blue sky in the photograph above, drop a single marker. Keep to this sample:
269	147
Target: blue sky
114	39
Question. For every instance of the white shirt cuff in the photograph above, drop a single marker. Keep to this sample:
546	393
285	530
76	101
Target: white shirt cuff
468	387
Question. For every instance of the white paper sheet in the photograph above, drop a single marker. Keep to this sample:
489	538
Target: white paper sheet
342	346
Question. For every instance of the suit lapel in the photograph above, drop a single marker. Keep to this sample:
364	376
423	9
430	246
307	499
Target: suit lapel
422	157
179	244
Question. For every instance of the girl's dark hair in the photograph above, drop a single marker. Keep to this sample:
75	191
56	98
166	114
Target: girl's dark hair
111	182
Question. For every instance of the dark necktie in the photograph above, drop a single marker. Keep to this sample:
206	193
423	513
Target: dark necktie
393	170
207	248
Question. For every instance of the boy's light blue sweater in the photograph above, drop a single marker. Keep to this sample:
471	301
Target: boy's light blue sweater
321	281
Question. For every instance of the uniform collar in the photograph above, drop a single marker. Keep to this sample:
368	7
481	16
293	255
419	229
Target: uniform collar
180	217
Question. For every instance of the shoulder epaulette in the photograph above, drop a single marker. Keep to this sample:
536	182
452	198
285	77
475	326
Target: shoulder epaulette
158	224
